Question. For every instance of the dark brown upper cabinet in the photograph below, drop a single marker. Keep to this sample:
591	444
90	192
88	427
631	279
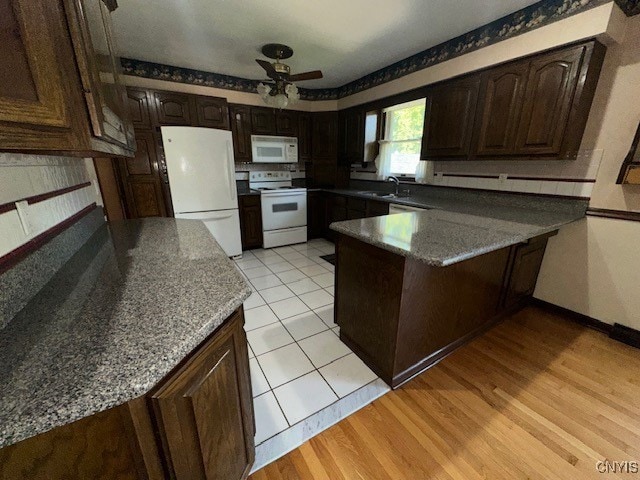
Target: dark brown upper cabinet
287	123
139	108
212	112
51	98
304	136
351	136
99	67
535	107
263	121
449	118
141	179
500	106
172	108
324	135
240	116
552	82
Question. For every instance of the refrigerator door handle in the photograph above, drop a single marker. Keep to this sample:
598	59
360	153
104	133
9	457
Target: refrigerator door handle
230	171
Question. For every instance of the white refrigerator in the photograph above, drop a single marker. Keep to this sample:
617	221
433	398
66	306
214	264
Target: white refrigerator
201	173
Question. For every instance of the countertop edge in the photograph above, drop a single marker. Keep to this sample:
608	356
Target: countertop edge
335	226
139	390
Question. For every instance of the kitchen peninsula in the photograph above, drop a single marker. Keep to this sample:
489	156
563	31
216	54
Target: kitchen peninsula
412	287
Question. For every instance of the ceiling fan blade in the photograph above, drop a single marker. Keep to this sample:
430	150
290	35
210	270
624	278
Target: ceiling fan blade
315	74
271	72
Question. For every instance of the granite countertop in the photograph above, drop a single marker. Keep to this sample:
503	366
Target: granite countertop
120	315
247	191
454	230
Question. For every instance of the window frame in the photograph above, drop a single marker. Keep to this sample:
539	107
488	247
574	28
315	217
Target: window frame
385	124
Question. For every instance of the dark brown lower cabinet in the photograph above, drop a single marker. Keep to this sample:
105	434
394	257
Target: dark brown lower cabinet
316	214
336	208
196	424
250	221
376	209
408	315
205	411
524	268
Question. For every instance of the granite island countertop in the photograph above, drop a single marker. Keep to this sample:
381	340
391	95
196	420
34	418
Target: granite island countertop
453	230
118	316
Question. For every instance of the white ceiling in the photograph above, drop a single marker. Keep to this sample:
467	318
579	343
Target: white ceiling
346	39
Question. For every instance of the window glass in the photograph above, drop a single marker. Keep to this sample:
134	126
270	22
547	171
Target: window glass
403	136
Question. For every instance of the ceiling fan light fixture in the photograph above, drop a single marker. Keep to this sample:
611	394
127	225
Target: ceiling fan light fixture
278	95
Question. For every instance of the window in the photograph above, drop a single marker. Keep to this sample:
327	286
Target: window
400	147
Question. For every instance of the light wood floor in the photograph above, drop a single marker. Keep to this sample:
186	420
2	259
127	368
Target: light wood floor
536	397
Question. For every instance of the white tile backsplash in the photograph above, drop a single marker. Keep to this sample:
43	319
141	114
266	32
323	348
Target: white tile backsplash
23	176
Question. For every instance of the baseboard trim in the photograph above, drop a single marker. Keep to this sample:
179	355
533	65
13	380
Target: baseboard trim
616	331
626	335
580	318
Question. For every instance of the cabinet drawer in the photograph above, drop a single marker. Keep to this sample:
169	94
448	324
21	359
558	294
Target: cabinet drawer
250	200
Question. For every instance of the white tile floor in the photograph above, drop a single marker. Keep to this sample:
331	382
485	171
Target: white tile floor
300	370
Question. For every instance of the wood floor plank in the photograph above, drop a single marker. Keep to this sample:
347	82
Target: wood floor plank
536	397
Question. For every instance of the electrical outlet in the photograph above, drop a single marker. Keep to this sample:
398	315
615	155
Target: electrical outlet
502	178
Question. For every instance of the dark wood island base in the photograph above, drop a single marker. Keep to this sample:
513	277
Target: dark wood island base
401	315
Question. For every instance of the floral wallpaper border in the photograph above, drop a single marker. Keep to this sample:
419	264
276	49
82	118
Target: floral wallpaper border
529	18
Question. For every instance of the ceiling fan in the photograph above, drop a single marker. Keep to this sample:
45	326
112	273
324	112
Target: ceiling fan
283	91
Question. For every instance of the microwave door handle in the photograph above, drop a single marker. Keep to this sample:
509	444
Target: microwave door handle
230	172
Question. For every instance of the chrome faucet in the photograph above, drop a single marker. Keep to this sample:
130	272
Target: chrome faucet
394	179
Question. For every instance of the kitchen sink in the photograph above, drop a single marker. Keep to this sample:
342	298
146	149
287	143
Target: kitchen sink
378	194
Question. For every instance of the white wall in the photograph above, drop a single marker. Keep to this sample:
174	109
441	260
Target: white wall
23	176
602	22
593	267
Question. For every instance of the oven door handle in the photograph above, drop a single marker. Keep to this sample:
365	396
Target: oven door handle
284	194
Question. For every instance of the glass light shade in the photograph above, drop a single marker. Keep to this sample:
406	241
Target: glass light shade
280	100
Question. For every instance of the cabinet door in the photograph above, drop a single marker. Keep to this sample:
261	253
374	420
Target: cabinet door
287	123
547	103
250	221
352	136
376	208
241	131
449	118
173	108
263	121
316	214
38	87
324	135
99	66
526	263
141	179
205	410
304	136
499	109
212	112
139	108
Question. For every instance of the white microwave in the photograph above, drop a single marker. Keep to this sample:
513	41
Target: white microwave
270	149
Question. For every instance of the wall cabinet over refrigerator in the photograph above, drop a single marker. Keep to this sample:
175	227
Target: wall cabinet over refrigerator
60	88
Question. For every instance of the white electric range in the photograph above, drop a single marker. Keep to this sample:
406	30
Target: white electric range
284	208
